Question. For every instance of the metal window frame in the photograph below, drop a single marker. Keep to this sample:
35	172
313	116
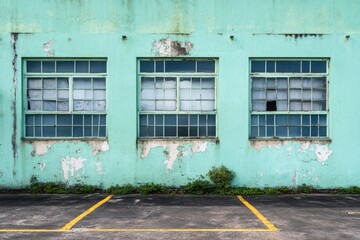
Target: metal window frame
177	76
70	76
289	75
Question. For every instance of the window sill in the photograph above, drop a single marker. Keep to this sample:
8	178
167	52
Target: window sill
63	139
207	139
294	140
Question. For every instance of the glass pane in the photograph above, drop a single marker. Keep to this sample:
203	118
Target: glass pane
49	83
211	131
193	120
295	120
183	131
195	83
282	83
159	66
64	120
208	94
170	94
202	131
318	66
257	66
205	66
295	82
195	106
48	119
185	94
193	131
98	66
147	83
180	66
305	120
63	94
147	94
185	105
322	131
288	66
294	131
29	119
33	66
319	106
185	83
314	119
34	94
83	94
319	82
202	120
148	105
314	131
281	131
146	66
271	95
295	106
254	132
270	131
63	106
211	120
258	83
170	105
78	132
64	66
306	95
99	94
87	119
170	131
62	83
270	66
319	94
270	119
305	66
207	83
282	105
170	83
29	132
282	94
159	131
99	83
306	131
49	105
49	131
34	83
160	105
258	106
82	105
170	119
270	83
159	94
82	66
64	131
295	94
196	94
78	119
281	120
82	83
48	66
159	119
322	120
159	83
207	105
306	83
306	106
258	94
99	105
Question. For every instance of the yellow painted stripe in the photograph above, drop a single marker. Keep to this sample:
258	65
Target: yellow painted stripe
69	225
176	230
32	230
261	217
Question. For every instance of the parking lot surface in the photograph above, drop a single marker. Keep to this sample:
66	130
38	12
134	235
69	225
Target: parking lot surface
95	216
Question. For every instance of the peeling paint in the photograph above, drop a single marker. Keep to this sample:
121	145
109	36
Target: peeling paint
41	147
304	146
166	47
71	166
173	149
48	48
42	166
99	168
99	147
323	153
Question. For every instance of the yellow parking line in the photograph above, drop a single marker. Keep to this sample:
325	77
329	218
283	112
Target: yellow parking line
261	217
69	225
176	230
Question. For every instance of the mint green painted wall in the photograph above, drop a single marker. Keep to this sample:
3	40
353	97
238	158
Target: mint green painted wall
79	28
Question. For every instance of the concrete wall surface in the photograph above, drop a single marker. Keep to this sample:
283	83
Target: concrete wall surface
122	31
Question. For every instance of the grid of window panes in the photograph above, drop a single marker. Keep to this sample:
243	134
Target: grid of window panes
177	125
177	98
289	98
65	125
60	92
296	125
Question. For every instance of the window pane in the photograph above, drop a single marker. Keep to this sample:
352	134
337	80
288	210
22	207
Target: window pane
288	66
97	66
206	66
33	66
180	66
62	83
64	119
148	105
64	131
64	66
49	83
82	66
270	66
82	105
318	66
48	66
63	106
208	83
49	131
257	66
49	105
99	83
147	82
170	119
159	66
99	105
146	66
34	83
82	83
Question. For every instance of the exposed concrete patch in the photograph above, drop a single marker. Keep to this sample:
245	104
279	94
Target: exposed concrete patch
71	166
99	168
259	144
166	47
42	166
99	147
41	147
173	149
48	48
323	153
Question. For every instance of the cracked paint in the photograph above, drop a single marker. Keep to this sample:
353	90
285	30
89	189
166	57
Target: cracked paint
323	153
166	47
99	147
48	48
41	147
71	166
173	149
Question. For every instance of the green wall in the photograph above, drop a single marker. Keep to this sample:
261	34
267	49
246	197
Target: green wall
261	28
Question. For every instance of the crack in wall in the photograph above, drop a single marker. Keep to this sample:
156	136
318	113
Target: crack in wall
14	38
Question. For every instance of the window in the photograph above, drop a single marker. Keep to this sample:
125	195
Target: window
65	98
289	98
177	98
